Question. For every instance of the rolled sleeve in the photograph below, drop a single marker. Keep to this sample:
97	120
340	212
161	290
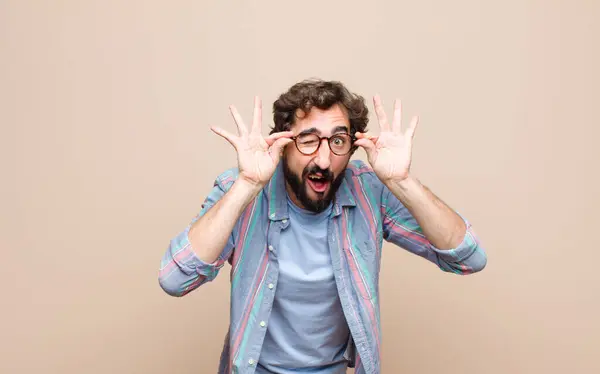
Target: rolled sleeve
189	262
468	257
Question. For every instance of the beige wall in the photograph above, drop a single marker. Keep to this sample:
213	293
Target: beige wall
105	110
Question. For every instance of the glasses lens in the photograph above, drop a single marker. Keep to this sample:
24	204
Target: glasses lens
308	143
340	144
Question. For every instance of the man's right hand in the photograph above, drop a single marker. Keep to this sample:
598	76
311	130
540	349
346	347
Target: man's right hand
257	156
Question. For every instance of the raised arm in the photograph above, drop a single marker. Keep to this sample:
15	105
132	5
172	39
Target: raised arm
431	229
192	260
414	217
196	255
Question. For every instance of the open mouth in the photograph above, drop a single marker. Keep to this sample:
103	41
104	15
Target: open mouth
317	182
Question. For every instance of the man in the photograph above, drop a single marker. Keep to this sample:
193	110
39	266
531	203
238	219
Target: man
304	235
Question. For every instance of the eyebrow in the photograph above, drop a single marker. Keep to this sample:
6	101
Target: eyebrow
314	130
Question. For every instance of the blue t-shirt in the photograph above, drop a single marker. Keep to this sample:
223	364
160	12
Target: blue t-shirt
307	326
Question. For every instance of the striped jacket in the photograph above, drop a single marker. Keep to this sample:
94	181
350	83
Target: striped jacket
364	214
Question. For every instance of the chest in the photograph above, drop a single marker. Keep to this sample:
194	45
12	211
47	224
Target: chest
304	260
345	246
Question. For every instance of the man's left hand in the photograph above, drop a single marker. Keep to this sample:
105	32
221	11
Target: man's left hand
390	152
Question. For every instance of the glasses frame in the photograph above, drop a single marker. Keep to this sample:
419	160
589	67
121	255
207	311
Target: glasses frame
328	138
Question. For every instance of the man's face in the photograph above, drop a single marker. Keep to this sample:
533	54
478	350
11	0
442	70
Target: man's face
312	180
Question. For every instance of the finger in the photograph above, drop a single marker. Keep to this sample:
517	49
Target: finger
277	148
273	137
257	120
410	132
367	145
381	117
397	120
226	135
238	121
362	135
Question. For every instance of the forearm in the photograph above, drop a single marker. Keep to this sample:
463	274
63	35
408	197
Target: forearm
442	227
209	234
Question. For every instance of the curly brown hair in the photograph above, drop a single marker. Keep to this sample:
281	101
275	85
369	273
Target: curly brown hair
321	94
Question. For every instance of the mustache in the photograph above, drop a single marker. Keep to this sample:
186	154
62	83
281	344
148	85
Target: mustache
325	173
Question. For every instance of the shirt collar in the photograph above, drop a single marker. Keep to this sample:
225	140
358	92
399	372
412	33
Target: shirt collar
276	195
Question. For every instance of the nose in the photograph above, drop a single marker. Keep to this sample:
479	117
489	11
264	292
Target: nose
323	158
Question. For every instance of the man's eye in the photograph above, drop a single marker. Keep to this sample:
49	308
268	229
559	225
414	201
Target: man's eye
339	141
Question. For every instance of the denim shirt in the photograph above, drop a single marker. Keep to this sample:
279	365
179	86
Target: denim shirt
365	213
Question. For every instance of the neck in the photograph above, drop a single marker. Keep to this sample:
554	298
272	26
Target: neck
293	196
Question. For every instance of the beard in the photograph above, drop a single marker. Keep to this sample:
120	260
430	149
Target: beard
300	187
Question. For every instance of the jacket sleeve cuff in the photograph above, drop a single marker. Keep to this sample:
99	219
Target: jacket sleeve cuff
189	262
462	252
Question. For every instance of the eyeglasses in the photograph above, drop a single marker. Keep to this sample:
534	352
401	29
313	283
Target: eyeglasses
340	144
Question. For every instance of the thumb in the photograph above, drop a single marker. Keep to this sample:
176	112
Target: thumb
277	148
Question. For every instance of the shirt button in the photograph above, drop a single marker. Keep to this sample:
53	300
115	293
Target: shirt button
271	285
271	248
262	324
251	361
